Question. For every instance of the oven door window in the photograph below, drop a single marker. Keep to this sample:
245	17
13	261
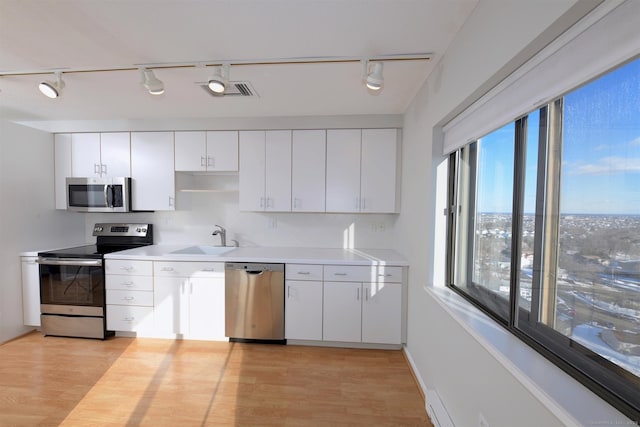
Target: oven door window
72	285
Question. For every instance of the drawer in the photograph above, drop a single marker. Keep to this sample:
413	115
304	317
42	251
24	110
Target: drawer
129	282
130	319
125	266
303	272
361	273
120	297
186	268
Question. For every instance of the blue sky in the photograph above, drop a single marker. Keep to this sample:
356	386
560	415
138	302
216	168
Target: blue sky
601	151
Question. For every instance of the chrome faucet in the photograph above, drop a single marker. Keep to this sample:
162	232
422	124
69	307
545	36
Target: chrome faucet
223	235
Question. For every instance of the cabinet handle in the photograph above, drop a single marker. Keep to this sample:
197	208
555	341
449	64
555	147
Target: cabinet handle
128	298
166	269
127	268
296	202
203	161
269	202
288	292
129	319
172	201
103	169
211	161
304	273
128	284
363	204
96	168
366	294
358	294
262	202
339	274
384	275
357	203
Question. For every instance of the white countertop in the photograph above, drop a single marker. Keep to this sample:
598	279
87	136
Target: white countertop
163	252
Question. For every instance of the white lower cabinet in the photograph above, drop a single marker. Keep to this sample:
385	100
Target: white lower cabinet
362	304
30	291
129	293
189	300
303	302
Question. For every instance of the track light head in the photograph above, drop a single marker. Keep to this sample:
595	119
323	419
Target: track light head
375	81
52	89
218	81
151	82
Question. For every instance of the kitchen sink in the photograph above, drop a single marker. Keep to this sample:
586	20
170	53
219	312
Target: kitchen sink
204	250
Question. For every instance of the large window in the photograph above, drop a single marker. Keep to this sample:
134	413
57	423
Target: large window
545	231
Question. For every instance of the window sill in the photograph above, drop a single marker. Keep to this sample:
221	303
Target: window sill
571	402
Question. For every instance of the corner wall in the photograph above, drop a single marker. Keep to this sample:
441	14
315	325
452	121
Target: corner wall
28	220
447	357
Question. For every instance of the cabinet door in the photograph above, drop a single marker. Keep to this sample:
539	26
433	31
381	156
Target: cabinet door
85	154
252	169
170	306
342	310
62	155
222	151
303	310
206	306
378	175
115	154
278	171
152	171
308	161
191	153
343	170
381	313
30	291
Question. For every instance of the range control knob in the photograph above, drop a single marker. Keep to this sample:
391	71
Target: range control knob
141	230
97	229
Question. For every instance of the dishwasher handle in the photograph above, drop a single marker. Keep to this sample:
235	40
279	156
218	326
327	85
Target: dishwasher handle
254	272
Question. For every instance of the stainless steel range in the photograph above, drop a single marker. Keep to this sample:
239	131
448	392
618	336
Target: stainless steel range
72	290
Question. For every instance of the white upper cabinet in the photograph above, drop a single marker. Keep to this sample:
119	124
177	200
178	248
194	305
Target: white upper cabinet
152	171
100	154
62	155
115	154
379	170
265	171
85	154
308	160
213	151
277	178
343	170
362	168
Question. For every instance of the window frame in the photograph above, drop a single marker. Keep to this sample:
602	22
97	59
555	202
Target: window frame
611	382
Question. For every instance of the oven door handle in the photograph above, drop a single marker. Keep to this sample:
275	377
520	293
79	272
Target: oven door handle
70	261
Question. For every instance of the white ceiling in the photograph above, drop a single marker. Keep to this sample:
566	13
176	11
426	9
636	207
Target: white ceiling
45	35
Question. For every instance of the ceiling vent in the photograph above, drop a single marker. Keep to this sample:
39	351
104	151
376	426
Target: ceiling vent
233	89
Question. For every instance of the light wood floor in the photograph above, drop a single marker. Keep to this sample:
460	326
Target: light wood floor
50	381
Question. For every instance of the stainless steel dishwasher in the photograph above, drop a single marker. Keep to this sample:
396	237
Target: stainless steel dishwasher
254	301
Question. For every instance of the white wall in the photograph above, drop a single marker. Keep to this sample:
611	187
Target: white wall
448	358
27	218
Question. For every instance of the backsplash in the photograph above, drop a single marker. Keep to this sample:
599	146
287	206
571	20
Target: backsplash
197	214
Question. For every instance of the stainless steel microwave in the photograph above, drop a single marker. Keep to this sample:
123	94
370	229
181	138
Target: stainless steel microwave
99	194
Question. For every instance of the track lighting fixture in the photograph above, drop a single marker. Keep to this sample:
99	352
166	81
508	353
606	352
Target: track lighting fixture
151	82
374	80
218	81
52	89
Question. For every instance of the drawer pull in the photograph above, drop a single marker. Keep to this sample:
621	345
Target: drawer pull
129	319
304	273
127	268
385	275
128	284
339	274
128	298
166	269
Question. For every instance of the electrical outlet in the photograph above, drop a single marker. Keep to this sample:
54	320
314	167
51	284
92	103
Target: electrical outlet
482	421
